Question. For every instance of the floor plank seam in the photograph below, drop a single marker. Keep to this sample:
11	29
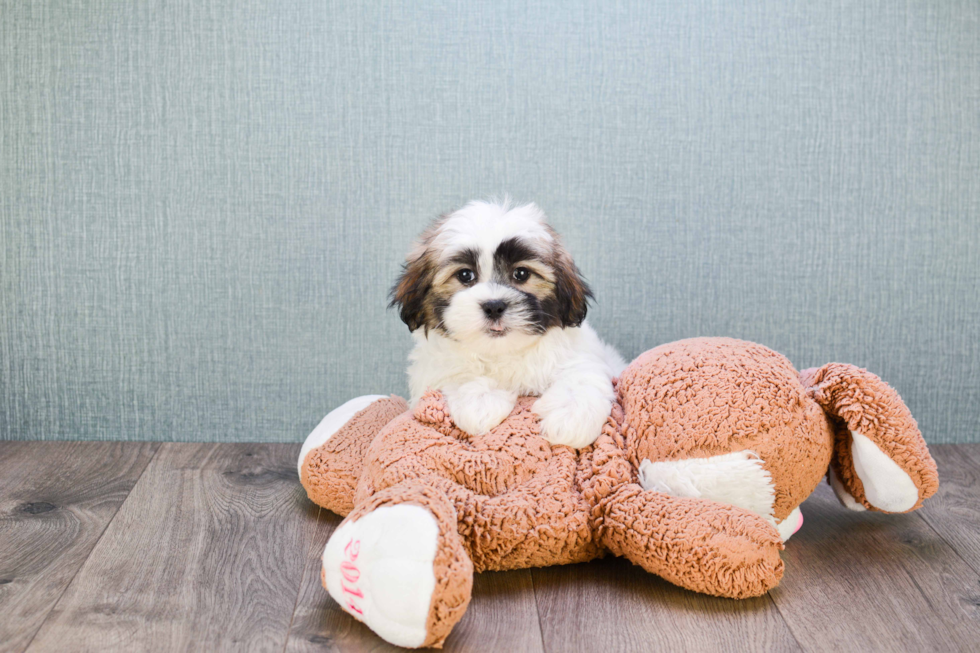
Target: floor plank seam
789	627
61	595
302	580
948	543
925	518
537	609
925	595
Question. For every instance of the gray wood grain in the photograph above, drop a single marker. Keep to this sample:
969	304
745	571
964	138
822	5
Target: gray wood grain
217	548
205	555
612	605
56	499
867	581
501	617
318	622
503	613
954	512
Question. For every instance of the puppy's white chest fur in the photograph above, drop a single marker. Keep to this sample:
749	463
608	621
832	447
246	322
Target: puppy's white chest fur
571	369
439	362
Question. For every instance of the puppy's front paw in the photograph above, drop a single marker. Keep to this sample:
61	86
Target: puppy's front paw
478	406
570	417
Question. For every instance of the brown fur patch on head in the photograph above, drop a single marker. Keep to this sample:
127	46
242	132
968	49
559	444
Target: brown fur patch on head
554	291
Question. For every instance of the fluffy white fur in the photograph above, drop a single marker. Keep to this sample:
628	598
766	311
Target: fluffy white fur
484	225
481	370
737	478
571	370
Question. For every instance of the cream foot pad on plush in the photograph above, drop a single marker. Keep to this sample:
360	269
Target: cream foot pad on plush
380	569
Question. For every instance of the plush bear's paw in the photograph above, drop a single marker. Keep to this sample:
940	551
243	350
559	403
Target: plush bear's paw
887	486
379	568
571	416
881	461
478	406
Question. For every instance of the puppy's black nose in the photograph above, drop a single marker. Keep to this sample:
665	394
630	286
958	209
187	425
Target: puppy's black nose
494	308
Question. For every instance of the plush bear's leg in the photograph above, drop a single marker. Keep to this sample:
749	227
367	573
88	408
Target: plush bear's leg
397	563
543	522
331	458
701	545
880	460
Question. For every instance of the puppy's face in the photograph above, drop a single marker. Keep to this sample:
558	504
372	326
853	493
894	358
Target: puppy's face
490	275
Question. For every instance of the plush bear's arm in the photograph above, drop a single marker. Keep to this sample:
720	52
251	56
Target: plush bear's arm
700	545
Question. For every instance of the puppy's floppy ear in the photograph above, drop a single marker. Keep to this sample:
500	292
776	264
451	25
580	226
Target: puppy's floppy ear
413	285
410	290
571	291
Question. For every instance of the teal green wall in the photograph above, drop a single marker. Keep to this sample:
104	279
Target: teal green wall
203	204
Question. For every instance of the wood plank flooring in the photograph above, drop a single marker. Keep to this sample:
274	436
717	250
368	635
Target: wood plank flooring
212	547
56	499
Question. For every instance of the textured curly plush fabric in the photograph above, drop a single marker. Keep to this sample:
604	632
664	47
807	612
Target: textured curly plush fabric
706	396
330	472
515	494
701	545
860	402
508	499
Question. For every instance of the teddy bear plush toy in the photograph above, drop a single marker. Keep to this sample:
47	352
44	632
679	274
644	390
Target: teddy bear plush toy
697	477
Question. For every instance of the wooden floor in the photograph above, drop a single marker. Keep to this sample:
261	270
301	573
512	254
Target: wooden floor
204	547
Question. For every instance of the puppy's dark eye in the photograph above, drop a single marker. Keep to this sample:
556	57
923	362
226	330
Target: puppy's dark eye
465	276
521	275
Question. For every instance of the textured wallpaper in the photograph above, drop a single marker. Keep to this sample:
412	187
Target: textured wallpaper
203	204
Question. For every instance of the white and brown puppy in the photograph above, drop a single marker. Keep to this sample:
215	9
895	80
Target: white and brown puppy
497	310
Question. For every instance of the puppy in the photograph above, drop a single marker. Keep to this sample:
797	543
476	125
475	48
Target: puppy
497	310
